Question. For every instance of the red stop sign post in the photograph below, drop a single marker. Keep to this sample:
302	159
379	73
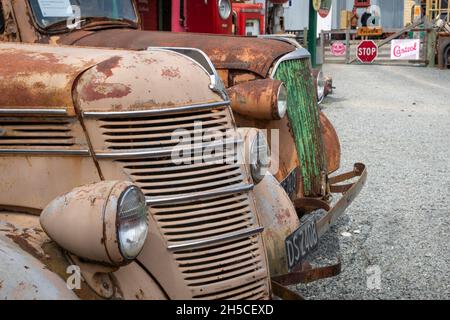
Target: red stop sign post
367	51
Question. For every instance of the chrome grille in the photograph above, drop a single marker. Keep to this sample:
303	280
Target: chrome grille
36	132
189	200
157	131
233	260
200	219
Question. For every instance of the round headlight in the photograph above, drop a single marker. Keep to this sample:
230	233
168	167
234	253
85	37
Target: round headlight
132	222
224	8
320	87
259	157
282	101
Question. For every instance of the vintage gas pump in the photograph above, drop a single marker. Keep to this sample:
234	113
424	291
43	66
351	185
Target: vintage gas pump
275	19
249	18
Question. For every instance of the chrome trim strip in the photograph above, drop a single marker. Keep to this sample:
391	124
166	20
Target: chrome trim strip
45	152
190	197
286	37
298	54
23	111
213	240
164	151
216	81
144	113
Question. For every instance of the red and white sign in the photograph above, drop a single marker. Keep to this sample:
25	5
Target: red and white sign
367	51
338	49
408	49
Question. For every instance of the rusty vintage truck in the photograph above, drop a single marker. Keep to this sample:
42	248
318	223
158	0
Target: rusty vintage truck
270	85
90	190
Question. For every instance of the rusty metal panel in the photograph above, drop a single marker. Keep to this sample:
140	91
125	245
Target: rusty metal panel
331	143
303	115
34	76
239	53
235	268
279	218
24	274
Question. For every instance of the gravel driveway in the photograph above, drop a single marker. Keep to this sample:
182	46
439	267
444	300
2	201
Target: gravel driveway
394	241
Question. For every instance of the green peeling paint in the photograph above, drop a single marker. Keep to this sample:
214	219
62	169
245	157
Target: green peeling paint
303	116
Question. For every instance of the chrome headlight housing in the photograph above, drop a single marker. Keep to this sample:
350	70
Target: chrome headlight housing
321	82
282	97
259	157
132	222
224	8
105	222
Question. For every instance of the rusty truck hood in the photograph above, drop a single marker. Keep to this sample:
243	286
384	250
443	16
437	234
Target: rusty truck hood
226	52
41	76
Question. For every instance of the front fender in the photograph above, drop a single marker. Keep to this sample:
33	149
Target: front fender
279	219
331	143
24	277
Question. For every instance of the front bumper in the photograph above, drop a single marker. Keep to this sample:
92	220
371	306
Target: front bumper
349	192
339	184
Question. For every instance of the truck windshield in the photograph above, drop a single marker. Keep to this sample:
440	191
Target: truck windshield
56	12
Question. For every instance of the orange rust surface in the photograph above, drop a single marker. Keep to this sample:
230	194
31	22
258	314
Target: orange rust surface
331	144
256	99
226	52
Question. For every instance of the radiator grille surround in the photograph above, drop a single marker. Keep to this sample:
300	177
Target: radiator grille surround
303	113
202	210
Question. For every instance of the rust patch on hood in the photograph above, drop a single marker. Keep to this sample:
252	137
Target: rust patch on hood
226	52
107	66
99	91
171	72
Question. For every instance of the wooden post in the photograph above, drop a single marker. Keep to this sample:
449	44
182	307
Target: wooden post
430	47
347	46
312	36
322	45
305	38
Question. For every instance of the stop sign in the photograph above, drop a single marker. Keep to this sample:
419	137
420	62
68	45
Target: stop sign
367	51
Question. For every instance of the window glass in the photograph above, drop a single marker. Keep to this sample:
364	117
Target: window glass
52	12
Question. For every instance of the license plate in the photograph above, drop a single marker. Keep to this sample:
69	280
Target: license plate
301	243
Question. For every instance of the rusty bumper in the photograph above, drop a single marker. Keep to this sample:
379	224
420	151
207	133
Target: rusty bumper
349	192
339	185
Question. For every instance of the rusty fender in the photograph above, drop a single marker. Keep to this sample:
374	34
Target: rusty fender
279	218
23	276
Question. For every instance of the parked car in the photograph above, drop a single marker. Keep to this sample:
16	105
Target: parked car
270	85
90	189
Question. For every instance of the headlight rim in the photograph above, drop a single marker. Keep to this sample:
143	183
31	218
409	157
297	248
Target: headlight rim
281	115
229	10
128	258
320	89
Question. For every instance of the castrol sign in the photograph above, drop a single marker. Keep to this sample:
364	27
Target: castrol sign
406	49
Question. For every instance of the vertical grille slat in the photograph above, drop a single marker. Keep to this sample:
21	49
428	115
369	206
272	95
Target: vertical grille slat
303	115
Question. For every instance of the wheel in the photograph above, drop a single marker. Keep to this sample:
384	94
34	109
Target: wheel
443	53
447	57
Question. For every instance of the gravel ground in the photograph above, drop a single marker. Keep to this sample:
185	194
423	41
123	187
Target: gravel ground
397	121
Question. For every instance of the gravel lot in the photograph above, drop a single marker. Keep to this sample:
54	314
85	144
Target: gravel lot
397	121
